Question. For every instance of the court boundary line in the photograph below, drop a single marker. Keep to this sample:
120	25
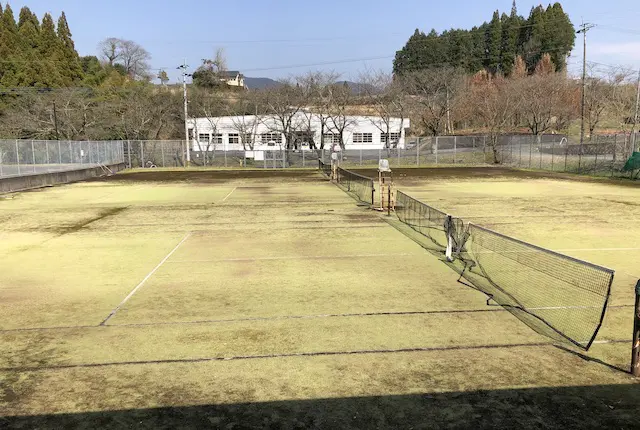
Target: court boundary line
229	195
146	278
290	257
274	318
288	355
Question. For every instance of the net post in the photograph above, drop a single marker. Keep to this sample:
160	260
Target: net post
449	251
635	353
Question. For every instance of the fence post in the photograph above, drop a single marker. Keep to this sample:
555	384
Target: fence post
539	142
484	148
437	149
33	156
566	154
304	164
59	153
635	354
455	149
418	152
615	146
129	152
47	148
595	164
141	153
361	155
530	152
17	156
553	152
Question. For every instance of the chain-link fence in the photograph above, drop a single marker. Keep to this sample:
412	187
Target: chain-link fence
27	157
601	155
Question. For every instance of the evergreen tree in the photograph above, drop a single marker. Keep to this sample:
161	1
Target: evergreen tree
51	56
493	44
478	45
8	48
28	40
71	60
559	37
532	49
510	33
411	57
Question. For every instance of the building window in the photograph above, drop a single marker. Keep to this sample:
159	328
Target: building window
271	137
331	138
216	139
204	137
362	137
247	138
234	138
395	137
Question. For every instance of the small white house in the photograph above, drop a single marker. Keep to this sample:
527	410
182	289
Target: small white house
236	133
233	78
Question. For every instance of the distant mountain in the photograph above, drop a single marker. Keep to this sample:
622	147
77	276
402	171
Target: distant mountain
260	83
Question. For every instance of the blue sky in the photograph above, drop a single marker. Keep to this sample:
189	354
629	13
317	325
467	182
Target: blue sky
266	38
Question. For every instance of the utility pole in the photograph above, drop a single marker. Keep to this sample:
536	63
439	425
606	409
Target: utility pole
186	110
635	118
583	29
55	120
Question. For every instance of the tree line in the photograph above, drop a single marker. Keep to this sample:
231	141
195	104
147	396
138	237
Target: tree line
494	45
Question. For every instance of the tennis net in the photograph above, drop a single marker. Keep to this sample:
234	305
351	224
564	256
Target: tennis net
556	295
325	168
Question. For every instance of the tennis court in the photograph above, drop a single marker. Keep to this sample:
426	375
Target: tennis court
233	299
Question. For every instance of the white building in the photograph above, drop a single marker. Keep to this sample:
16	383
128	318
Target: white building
233	78
235	133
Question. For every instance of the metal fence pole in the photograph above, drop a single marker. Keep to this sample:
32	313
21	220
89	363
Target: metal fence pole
70	153
142	153
595	164
361	155
33	156
17	156
530	152
615	146
539	141
162	151
59	153
418	152
304	164
553	152
455	148
437	137
566	155
484	149
46	143
129	152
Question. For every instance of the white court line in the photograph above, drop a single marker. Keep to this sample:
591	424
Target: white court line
296	257
229	195
146	278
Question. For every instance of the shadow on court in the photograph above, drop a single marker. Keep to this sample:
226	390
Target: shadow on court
600	406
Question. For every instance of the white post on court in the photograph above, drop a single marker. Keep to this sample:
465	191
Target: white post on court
33	156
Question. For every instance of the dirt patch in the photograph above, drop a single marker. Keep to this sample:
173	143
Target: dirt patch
490	172
211	176
68	229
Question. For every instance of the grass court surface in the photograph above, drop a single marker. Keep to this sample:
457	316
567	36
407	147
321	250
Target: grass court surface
271	299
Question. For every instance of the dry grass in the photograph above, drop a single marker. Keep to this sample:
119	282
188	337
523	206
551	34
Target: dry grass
282	309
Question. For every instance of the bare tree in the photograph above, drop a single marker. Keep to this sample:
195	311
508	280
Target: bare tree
130	55
494	102
110	50
433	94
385	96
339	121
317	88
245	119
212	106
283	104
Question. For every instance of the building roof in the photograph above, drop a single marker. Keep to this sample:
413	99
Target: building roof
231	73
